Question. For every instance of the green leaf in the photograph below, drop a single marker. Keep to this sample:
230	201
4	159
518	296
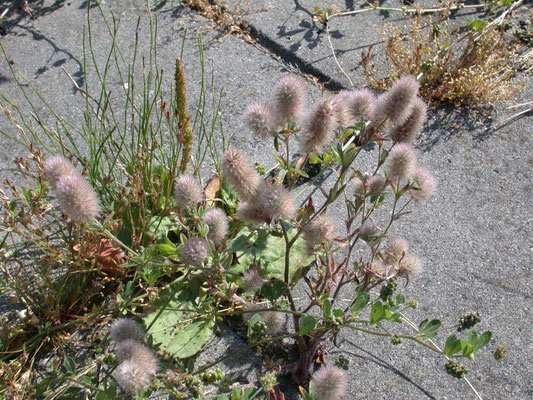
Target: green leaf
273	290
483	340
69	365
327	308
429	328
181	339
307	324
472	338
400	299
377	313
452	346
467	349
361	302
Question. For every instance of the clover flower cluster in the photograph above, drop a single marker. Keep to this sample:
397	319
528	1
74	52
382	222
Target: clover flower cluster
329	382
137	364
74	194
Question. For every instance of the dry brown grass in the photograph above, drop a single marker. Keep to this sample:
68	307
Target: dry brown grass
454	66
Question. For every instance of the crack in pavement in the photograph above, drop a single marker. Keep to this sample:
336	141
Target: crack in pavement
233	24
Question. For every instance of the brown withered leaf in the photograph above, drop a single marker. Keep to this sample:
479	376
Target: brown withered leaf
276	394
211	190
107	256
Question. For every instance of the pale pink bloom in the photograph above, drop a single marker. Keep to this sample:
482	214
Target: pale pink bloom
55	168
407	132
320	127
260	119
396	248
252	212
375	185
361	103
276	201
217	221
330	383
368	229
409	266
358	187
251	281
132	376
319	230
401	161
195	250
395	105
77	198
125	329
342	108
240	173
132	349
188	192
425	185
289	99
273	320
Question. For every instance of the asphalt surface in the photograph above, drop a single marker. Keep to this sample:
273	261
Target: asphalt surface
475	236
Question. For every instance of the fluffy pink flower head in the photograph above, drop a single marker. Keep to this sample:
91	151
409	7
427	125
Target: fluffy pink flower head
132	376
241	174
251	281
289	99
276	201
188	192
320	127
341	103
55	168
368	229
395	105
361	103
407	132
273	320
401	162
132	349
77	198
396	248
330	383
260	119
126	329
375	185
319	230
358	187
252	212
218	225
409	266
194	251
425	185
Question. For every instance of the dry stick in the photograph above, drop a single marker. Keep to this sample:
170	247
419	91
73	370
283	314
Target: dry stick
335	56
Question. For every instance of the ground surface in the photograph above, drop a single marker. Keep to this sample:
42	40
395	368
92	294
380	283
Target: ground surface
475	235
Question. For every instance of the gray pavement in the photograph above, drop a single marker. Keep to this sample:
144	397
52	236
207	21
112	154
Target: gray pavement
475	235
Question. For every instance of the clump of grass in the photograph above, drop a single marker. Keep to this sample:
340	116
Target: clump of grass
452	66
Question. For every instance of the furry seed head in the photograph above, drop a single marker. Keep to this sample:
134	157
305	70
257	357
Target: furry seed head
342	108
240	173
319	230
276	201
289	99
425	183
125	329
77	198
188	192
252	212
330	383
407	132
132	349
320	127
395	105
132	376
273	320
409	266
55	168
251	281
395	250
260	119
368	229
195	251
361	103
375	185
358	187
401	162
218	225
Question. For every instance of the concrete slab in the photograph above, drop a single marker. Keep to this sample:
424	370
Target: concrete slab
474	235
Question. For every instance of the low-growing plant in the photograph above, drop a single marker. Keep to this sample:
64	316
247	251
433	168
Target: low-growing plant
120	228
